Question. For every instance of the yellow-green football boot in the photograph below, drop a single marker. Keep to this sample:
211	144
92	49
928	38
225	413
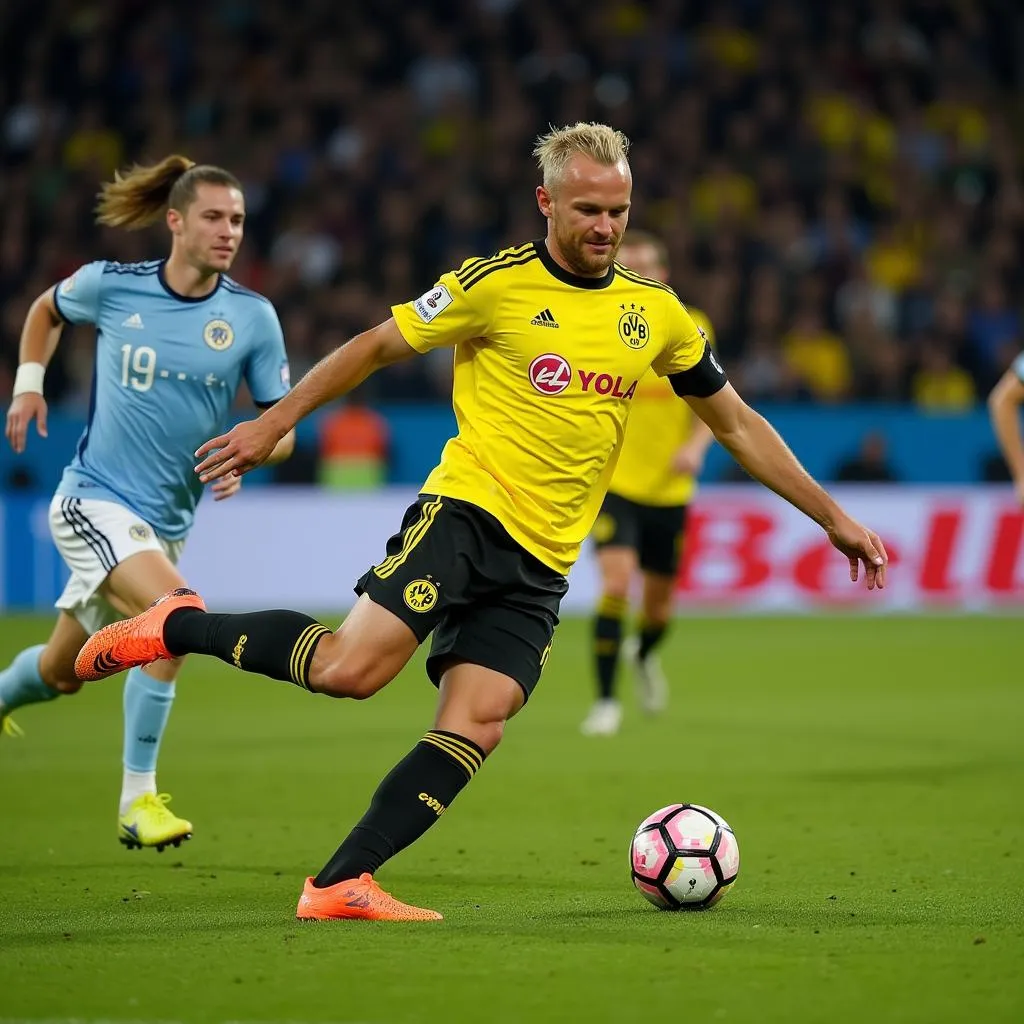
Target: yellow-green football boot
148	822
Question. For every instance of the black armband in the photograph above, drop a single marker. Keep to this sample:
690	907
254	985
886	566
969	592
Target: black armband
702	380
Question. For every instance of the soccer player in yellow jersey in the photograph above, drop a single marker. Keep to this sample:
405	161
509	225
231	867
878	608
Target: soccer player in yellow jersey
643	518
551	340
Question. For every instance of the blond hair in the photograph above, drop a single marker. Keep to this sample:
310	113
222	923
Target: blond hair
139	197
602	143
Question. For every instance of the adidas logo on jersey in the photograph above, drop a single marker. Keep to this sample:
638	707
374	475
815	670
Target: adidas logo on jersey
544	319
133	321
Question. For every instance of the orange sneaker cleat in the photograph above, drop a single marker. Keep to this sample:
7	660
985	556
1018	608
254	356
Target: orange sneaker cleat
360	898
135	641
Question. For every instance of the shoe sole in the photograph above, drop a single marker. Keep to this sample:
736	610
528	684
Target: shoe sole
392	920
134	844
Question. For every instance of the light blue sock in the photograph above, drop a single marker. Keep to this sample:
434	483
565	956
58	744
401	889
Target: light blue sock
20	682
147	703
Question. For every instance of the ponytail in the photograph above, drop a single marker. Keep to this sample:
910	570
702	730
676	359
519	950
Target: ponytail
138	198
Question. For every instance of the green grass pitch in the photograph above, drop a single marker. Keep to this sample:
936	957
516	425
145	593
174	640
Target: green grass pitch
873	769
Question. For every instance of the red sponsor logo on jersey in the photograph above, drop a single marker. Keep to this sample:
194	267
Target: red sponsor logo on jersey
550	374
433	298
606	384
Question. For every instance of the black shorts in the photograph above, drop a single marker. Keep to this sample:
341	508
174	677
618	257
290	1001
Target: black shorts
654	532
453	570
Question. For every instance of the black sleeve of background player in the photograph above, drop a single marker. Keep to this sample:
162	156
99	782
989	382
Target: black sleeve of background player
702	380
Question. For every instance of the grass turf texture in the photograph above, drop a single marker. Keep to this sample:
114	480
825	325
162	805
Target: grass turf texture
872	770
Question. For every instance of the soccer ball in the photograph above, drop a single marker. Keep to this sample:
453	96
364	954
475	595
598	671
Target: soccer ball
684	857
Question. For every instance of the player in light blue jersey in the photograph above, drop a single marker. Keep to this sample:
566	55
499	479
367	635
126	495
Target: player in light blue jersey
175	339
1004	410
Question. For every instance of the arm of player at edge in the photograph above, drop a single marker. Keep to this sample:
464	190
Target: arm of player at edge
1004	411
39	338
757	447
250	444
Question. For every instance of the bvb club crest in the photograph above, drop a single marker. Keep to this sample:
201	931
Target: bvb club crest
634	329
420	595
218	334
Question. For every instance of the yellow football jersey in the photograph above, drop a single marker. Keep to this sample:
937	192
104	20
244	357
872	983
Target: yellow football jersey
547	365
659	425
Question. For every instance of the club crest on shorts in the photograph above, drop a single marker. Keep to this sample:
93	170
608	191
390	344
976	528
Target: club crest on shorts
138	531
604	528
420	595
634	330
219	335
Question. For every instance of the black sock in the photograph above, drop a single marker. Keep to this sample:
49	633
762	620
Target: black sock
607	641
413	795
650	637
279	644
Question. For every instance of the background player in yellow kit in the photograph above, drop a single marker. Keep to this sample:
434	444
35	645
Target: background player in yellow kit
643	519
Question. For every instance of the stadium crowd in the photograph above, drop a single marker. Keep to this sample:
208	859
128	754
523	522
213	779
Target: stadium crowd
840	185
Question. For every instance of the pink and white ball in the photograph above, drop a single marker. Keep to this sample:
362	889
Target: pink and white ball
684	857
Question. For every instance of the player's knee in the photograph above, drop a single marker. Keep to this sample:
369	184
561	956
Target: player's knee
487	735
482	722
64	683
58	675
615	587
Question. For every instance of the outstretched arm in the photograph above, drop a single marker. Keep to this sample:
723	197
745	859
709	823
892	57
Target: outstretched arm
39	337
755	445
1004	410
250	444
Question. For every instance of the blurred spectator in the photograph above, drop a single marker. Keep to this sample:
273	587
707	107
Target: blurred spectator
723	194
353	441
818	357
870	463
939	385
993	328
93	147
893	260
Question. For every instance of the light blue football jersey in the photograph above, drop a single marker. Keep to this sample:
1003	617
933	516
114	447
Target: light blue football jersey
167	371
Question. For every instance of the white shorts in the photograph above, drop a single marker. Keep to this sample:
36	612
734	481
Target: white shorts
92	537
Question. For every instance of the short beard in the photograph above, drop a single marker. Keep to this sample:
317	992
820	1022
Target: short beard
206	268
576	258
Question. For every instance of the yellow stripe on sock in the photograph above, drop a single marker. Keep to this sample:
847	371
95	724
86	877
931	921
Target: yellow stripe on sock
456	756
307	654
612	607
466	748
302	650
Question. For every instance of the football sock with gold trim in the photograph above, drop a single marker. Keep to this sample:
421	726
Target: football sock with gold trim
607	641
415	793
280	644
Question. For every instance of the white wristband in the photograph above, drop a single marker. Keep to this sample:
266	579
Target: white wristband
29	378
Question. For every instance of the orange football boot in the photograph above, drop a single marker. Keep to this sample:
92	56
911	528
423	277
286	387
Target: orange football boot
360	898
135	641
